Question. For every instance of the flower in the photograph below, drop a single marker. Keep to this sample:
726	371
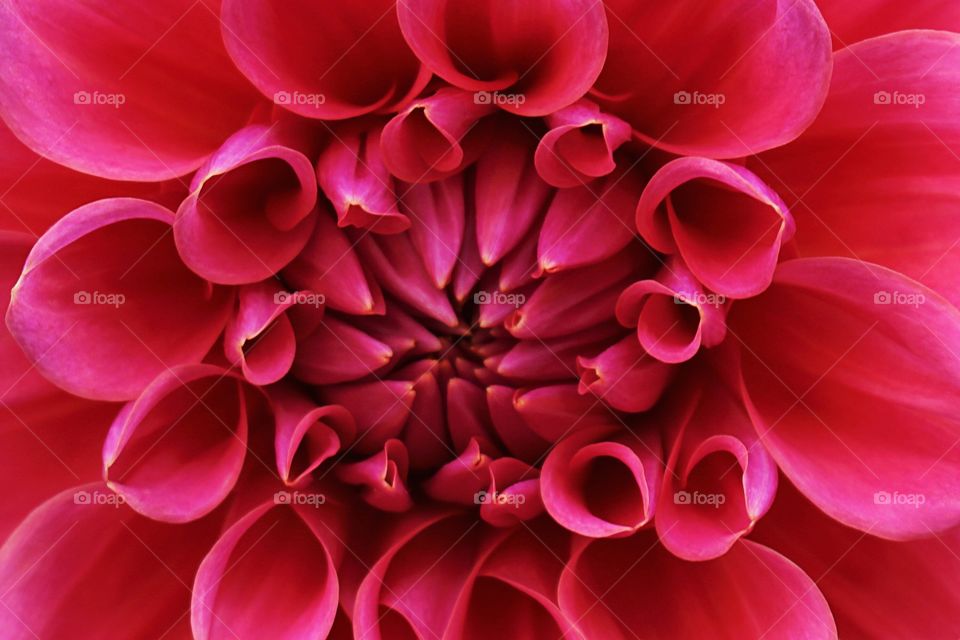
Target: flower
422	319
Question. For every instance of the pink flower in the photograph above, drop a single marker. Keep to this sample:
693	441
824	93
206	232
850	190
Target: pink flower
434	320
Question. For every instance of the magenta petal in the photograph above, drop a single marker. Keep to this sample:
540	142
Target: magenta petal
250	208
722	80
851	22
259	337
724	221
601	486
306	434
105	285
624	376
751	592
274	568
580	144
352	175
538	56
437	218
381	409
338	352
176	451
554	411
153	98
383	477
513	495
462	478
323	60
719	480
424	142
83	565
866	392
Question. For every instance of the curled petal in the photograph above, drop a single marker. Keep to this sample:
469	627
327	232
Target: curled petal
306	434
580	144
352	175
513	494
338	352
673	315
175	452
259	336
383	477
328	60
234	594
381	409
721	218
541	56
719	481
460	479
601	486
425	142
250	210
724	80
111	110
105	285
624	376
872	400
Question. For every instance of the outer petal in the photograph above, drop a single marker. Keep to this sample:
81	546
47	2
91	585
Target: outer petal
751	592
105	285
536	57
329	60
119	90
877	177
860	411
82	565
259	336
176	451
724	80
851	22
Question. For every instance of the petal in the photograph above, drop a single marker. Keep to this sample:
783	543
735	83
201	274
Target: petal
624	376
437	219
328	60
250	208
337	352
864	394
751	592
538	56
383	477
851	22
884	148
259	336
110	89
105	285
723	81
175	452
724	221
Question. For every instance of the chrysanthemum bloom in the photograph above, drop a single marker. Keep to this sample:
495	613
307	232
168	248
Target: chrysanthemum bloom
492	319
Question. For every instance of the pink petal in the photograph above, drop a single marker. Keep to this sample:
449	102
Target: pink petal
423	142
82	565
323	60
624	376
513	495
175	452
105	285
150	101
600	485
724	221
859	411
537	57
876	156
851	22
751	592
437	216
383	477
250	208
724	80
274	568
381	408
579	145
259	336
337	352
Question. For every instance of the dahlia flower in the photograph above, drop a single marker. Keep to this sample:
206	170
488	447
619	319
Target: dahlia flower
493	319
